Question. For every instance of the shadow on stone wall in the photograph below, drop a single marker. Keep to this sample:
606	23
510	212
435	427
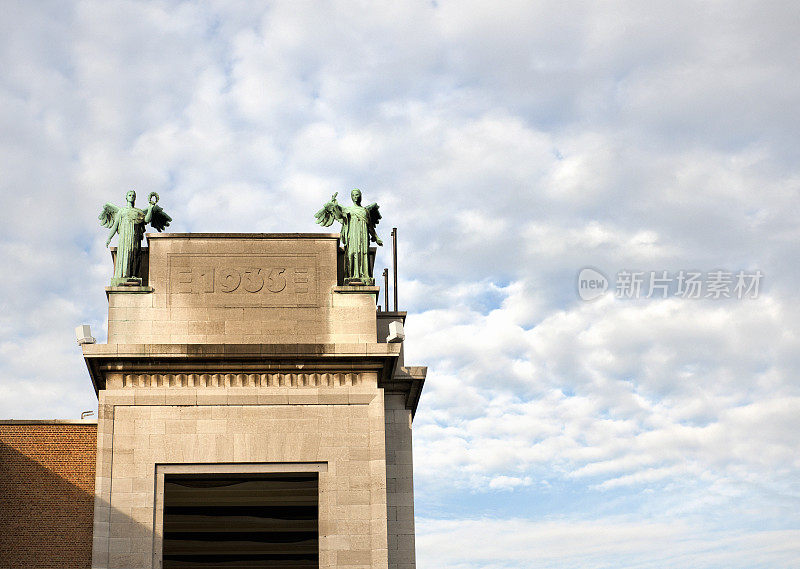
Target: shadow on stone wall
46	521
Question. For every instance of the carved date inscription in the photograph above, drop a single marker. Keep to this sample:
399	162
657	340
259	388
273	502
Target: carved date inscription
245	281
251	279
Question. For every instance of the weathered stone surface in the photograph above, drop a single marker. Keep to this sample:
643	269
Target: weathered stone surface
220	430
237	288
245	355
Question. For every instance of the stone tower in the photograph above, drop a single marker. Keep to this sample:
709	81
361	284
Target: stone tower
251	412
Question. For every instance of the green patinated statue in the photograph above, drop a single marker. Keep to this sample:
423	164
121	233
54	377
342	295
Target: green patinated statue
129	223
358	228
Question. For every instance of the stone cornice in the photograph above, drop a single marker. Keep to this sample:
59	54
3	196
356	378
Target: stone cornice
408	381
176	358
242	236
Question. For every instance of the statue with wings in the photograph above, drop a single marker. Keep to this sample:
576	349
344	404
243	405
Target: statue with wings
358	229
129	222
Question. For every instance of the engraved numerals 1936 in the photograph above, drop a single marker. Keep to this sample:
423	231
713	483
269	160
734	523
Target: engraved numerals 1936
251	279
239	279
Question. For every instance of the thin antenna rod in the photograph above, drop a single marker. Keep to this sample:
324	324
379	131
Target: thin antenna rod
386	289
394	264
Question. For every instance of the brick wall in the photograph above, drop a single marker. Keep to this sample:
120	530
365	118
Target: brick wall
46	495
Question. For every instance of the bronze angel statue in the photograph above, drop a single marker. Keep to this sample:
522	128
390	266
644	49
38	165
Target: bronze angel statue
358	229
129	221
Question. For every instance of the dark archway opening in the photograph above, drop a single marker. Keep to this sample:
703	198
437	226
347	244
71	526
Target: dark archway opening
241	521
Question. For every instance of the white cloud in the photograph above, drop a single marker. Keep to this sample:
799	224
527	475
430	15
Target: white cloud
509	482
512	144
659	396
486	543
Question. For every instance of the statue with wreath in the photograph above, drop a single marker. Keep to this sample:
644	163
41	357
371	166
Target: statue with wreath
358	230
129	222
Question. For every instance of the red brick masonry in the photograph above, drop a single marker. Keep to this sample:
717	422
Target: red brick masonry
46	494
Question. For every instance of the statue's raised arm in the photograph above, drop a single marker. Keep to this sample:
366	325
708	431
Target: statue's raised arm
129	222
358	229
156	216
330	212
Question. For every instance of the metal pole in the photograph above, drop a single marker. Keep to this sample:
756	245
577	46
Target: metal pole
386	289
394	264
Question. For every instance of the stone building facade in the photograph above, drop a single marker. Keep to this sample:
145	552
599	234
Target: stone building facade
251	412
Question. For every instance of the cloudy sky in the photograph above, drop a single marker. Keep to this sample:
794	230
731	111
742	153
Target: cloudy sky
513	143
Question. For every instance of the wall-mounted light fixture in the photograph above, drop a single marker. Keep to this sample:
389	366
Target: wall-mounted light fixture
83	334
396	332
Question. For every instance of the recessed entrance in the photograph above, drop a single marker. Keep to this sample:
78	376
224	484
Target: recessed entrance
245	521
